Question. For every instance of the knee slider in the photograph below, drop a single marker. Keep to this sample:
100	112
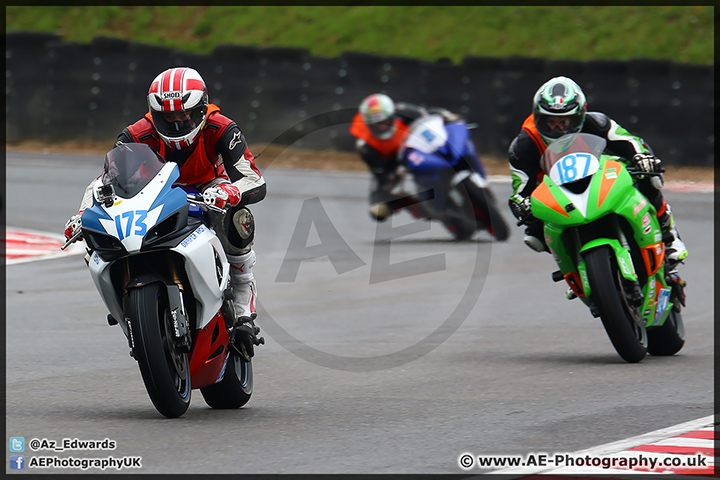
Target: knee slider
244	223
241	233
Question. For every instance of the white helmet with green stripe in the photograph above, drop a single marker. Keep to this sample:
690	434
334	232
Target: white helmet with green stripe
559	108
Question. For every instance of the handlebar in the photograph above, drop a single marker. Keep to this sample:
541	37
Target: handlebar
634	171
72	239
197	200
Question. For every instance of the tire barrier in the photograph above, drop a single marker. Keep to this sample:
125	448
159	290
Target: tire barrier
58	90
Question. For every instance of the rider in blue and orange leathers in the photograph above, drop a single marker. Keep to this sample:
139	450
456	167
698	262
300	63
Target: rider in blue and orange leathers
559	108
381	127
213	156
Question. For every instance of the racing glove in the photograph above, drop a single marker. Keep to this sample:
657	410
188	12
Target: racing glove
73	225
522	211
648	163
222	195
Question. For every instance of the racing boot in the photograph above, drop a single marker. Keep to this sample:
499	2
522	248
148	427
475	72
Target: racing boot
380	211
678	288
419	206
675	250
534	237
244	288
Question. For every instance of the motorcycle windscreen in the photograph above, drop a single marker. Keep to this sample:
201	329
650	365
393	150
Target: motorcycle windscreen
573	157
129	167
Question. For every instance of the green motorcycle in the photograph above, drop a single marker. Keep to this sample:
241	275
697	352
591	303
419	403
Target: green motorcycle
606	239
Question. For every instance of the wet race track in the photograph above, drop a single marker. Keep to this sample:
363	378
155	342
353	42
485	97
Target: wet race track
389	347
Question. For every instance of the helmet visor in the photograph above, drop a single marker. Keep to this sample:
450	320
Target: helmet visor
179	123
555	126
382	129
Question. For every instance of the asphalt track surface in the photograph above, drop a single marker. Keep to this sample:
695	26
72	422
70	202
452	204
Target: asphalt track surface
390	348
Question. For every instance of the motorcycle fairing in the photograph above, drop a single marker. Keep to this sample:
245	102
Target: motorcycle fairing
624	260
427	134
433	145
128	219
209	357
200	249
560	204
548	199
100	274
610	172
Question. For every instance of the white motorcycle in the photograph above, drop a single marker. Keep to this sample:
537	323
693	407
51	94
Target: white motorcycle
163	274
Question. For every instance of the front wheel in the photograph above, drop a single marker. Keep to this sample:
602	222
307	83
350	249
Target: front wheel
164	367
629	338
236	387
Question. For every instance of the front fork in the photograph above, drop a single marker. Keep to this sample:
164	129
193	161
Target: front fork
182	330
651	301
181	324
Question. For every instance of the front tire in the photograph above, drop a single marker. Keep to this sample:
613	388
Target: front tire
628	337
235	389
164	368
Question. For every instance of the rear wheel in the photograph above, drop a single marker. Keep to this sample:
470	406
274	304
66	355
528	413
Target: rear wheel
669	338
459	227
235	389
627	335
164	367
486	211
458	215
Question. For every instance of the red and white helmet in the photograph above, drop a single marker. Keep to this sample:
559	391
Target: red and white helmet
178	101
378	113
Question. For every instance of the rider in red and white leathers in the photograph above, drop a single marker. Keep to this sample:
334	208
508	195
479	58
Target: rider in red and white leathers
213	156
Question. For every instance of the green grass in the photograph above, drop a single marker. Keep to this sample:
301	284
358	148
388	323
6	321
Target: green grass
678	33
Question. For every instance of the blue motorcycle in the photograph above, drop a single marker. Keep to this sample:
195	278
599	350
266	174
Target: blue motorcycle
451	182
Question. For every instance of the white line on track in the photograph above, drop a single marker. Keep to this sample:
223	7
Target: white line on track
621	446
